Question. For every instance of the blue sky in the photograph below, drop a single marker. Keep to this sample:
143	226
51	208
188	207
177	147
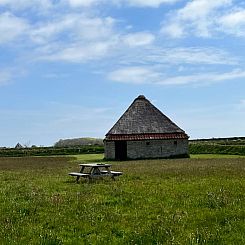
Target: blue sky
70	68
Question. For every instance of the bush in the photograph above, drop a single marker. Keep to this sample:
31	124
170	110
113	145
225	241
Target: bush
49	151
200	148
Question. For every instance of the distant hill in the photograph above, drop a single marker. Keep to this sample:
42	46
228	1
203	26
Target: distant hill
78	142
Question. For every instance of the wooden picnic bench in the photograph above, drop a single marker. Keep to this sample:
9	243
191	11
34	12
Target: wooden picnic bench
95	170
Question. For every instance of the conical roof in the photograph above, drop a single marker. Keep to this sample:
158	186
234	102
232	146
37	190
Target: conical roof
143	118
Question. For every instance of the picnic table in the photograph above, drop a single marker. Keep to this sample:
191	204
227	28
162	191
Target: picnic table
95	170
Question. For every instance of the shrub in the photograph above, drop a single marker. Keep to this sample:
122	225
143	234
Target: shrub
200	148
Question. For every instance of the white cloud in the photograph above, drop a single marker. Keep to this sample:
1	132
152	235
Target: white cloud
142	75
149	3
71	37
78	38
83	3
11	27
198	9
18	5
23	4
156	65
45	32
134	3
173	30
74	27
234	22
75	38
136	75
139	39
198	17
178	56
196	55
78	52
203	79
95	28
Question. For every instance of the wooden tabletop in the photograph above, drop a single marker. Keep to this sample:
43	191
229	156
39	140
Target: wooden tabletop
92	165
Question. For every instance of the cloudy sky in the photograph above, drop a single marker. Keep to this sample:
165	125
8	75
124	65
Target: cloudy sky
70	68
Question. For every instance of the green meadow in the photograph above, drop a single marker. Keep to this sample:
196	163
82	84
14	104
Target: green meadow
200	200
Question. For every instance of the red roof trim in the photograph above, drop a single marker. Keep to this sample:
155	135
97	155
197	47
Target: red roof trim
146	136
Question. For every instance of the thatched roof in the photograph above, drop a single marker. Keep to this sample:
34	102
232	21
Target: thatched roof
142	120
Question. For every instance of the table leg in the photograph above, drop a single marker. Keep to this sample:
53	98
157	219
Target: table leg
78	177
109	172
81	171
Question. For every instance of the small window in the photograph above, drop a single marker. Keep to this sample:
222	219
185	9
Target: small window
147	143
175	142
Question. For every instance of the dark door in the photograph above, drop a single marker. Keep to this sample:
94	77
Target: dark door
121	150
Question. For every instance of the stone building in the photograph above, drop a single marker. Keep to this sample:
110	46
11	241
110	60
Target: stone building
145	132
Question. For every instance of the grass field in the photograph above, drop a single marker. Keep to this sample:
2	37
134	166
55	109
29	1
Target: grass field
214	156
180	201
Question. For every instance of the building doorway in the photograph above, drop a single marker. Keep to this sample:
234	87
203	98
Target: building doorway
121	150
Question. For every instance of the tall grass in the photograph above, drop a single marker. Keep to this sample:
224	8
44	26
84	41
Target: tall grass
184	201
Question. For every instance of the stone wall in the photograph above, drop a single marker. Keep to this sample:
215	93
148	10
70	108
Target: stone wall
109	149
156	148
150	148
